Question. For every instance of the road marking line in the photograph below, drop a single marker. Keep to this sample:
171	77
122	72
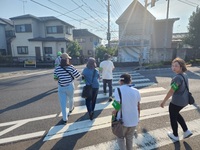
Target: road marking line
78	91
99	96
102	122
117	82
108	105
22	137
12	128
150	140
133	77
27	120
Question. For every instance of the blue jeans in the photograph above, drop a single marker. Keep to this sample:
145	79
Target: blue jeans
91	101
66	95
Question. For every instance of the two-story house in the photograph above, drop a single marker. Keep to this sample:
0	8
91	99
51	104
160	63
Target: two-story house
40	38
141	36
6	35
87	40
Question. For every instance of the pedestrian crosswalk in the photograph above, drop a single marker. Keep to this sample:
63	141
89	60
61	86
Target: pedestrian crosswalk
151	139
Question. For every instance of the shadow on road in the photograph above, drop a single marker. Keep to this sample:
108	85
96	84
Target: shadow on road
29	101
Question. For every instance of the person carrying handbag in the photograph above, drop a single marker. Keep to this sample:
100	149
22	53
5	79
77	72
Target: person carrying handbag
91	77
130	106
179	94
64	74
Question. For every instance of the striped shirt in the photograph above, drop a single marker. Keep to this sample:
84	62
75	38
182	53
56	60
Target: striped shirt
66	77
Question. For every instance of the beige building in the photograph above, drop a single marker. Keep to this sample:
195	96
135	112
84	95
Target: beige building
6	35
87	40
141	36
40	38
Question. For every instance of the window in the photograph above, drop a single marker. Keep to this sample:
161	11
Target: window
47	50
62	50
68	30
91	39
80	40
23	28
54	29
22	49
137	42
146	42
10	33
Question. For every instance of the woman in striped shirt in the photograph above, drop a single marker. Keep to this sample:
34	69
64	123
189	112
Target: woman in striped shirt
65	74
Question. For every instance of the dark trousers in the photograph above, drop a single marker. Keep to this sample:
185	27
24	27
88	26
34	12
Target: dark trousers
109	82
176	118
91	101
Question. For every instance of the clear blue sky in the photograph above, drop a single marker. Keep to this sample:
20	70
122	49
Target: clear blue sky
92	14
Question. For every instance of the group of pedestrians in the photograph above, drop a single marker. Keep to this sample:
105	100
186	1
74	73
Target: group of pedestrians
130	96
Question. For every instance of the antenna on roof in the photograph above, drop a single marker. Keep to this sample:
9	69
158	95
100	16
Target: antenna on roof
23	1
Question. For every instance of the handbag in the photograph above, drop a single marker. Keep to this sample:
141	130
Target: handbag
190	97
87	89
117	125
69	73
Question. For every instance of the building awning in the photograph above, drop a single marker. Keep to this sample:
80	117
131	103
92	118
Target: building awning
49	39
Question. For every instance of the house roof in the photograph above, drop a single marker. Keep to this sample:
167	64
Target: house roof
179	36
83	32
6	21
132	9
2	23
50	18
170	19
25	17
42	19
49	39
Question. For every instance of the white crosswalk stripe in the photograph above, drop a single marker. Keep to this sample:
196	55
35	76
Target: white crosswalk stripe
155	137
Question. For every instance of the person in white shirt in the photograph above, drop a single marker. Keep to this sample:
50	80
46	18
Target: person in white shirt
106	67
130	111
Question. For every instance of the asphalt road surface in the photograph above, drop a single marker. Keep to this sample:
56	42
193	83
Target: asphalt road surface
30	116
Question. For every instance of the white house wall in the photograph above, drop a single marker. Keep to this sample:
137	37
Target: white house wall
3	37
129	54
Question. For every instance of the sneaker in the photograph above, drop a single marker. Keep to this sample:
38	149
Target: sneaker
172	136
110	99
71	110
91	115
187	134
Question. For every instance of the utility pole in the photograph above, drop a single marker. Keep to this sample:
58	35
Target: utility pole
108	33
166	26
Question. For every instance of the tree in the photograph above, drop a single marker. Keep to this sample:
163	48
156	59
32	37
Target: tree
101	50
193	37
74	49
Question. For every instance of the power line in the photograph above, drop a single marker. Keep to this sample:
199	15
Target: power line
58	12
90	15
94	11
186	3
71	11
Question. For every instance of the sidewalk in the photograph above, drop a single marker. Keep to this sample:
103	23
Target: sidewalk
16	71
12	71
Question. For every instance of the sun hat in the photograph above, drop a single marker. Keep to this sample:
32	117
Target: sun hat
65	56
